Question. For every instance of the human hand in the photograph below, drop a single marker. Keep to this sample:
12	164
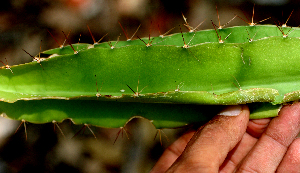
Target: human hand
235	144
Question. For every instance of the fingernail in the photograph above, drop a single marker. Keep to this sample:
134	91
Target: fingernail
231	111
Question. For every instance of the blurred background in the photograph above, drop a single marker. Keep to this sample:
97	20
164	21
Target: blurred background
24	23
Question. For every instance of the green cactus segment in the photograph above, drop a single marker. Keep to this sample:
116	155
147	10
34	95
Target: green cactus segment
116	114
106	114
265	63
207	72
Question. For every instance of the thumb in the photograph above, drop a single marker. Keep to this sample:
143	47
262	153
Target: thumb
210	145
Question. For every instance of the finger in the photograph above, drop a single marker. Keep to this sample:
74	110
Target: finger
254	129
172	153
257	127
291	160
271	147
209	146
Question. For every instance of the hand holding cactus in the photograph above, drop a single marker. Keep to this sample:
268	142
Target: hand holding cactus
234	144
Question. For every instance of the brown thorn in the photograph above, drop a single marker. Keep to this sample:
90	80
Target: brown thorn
59	45
143	89
134	33
167	32
91	130
263	20
160	131
185	19
123	31
253	13
117	41
244	19
6	66
219	37
118	135
198	26
66	39
228	22
55	123
187	27
251	23
23	121
178	87
236	86
143	41
194	55
281	30
185	45
131	89
239	88
82	128
29	54
248	35
75	52
4	63
218	16
191	39
227	36
121	131
91	34
19	126
34	58
101	39
41	66
150	42
110	44
284	25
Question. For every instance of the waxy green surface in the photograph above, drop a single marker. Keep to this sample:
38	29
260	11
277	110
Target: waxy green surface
179	82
